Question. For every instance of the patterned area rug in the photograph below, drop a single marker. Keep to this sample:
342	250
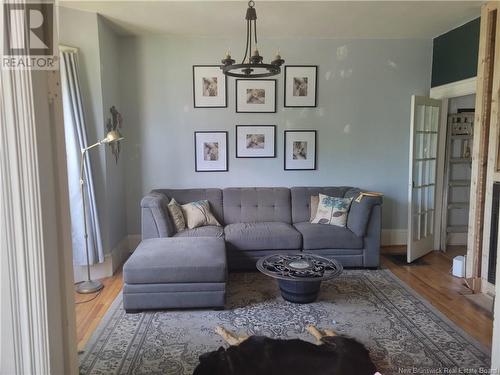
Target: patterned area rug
403	332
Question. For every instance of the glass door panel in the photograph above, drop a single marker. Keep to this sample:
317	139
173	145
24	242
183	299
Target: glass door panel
423	155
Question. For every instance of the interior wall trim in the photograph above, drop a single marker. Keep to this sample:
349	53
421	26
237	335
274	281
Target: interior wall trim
38	334
454	89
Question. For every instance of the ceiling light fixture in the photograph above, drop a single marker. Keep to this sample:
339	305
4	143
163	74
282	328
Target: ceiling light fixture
253	67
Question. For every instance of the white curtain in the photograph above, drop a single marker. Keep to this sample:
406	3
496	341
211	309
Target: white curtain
76	139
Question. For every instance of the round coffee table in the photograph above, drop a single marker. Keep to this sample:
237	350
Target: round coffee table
299	275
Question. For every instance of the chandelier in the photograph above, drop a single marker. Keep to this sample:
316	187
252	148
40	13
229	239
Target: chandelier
251	66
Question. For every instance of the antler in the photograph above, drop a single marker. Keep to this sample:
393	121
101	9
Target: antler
318	335
229	337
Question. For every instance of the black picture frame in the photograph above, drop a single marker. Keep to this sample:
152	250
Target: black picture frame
194	87
315	159
256	80
285	104
196	168
256	157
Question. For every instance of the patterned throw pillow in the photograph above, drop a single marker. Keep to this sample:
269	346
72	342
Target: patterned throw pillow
198	214
177	216
332	210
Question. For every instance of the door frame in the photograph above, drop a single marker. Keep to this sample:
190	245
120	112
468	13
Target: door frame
37	325
445	93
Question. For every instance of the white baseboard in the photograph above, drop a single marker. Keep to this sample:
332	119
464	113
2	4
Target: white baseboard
128	244
112	261
392	237
133	241
97	271
120	254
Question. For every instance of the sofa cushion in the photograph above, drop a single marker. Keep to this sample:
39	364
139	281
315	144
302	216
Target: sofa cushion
177	260
262	236
183	196
301	199
318	236
206	231
251	205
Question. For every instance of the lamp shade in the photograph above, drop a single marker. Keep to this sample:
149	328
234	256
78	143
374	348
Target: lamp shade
112	137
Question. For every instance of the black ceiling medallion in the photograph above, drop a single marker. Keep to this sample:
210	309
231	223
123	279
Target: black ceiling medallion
253	67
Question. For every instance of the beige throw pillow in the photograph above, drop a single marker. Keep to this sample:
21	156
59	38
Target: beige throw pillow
198	214
332	210
313	206
177	216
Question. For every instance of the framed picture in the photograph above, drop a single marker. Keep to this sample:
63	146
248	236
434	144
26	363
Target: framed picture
255	141
300	150
209	87
301	86
256	95
210	149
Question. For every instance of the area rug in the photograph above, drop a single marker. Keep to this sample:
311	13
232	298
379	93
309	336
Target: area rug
403	332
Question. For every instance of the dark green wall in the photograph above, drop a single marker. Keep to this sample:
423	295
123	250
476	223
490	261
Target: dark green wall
454	55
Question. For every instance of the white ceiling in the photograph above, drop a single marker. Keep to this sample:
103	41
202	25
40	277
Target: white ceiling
307	19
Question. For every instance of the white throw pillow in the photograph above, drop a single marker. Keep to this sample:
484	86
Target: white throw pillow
198	214
332	210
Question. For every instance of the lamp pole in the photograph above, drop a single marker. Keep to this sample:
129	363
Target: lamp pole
91	286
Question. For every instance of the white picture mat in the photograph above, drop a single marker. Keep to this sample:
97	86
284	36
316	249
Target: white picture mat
300	101
269	145
211	165
241	95
310	161
209	101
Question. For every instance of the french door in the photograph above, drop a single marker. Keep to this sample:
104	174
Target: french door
424	129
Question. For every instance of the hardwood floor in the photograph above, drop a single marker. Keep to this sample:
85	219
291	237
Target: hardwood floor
431	280
89	314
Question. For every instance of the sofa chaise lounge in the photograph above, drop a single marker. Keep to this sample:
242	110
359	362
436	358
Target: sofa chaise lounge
254	222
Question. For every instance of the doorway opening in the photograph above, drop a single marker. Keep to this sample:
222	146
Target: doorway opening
457	178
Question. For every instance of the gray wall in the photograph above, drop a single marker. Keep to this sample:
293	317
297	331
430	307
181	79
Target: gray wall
362	116
115	172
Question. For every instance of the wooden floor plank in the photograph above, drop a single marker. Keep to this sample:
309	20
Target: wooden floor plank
432	281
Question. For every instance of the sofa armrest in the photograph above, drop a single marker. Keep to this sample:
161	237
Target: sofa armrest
156	222
371	255
360	212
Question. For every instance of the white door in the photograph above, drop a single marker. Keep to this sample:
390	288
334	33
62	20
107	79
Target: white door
425	114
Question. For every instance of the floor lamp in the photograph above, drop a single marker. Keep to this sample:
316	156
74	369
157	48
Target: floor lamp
91	286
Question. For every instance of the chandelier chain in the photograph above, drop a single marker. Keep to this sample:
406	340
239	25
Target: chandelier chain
252	65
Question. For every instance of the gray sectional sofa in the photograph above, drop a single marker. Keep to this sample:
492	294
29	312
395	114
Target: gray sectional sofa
184	269
261	221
